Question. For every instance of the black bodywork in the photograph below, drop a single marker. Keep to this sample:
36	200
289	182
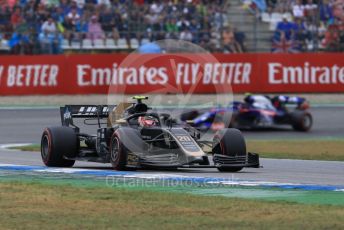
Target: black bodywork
166	145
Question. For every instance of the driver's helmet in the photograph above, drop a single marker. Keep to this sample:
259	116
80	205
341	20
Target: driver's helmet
147	121
249	98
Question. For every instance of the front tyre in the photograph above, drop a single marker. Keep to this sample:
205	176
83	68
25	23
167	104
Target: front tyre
234	121
229	142
56	143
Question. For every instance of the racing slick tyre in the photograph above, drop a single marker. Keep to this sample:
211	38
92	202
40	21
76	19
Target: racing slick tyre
190	115
301	120
118	153
229	142
234	121
56	143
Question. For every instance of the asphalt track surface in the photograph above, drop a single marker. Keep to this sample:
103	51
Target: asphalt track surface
25	126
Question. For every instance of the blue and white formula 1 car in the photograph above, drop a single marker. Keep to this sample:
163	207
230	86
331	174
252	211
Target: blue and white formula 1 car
256	111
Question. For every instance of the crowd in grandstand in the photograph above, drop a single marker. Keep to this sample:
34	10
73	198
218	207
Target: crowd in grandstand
305	25
40	26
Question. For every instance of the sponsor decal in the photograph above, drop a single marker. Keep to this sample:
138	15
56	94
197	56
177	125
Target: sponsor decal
305	74
185	140
67	114
170	73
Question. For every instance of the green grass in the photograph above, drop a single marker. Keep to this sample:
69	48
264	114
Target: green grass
36	205
29	148
291	149
299	149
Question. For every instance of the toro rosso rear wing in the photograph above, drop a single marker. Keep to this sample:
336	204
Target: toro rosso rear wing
68	112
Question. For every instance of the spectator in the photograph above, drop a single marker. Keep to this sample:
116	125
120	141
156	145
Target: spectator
20	43
45	40
11	3
58	16
308	30
71	6
194	30
220	19
310	9
124	31
149	35
285	5
260	4
5	25
341	40
182	24
56	43
186	35
41	13
271	3
338	9
108	23
49	26
205	35
80	3
73	17
73	26
171	27
313	29
16	18
326	11
14	43
157	8
300	34
298	9
230	45
139	2
50	3
197	21
95	31
281	44
240	37
152	18
104	2
161	35
332	39
286	27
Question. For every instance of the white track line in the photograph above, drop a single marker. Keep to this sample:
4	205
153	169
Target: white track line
14	145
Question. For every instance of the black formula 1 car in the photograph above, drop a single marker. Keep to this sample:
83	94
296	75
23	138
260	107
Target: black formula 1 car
132	136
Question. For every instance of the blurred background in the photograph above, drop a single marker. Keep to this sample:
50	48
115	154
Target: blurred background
219	26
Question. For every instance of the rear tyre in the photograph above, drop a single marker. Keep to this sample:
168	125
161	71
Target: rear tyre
234	121
118	153
229	142
301	121
56	143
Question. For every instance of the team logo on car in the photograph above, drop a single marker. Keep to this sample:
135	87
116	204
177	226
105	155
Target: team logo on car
67	115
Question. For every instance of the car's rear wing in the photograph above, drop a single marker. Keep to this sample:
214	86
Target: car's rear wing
68	112
299	102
